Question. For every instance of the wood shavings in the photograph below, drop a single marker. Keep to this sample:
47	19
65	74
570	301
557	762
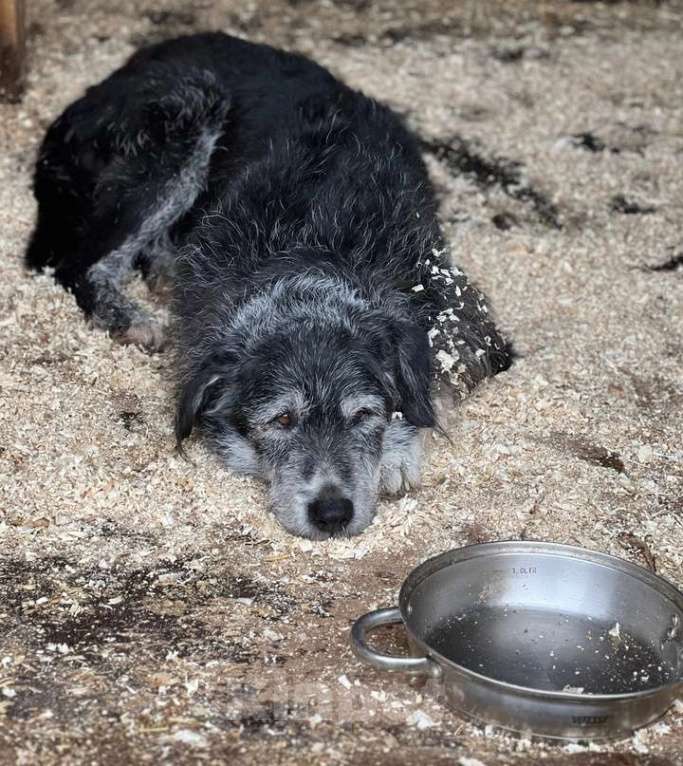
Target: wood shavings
631	542
420	720
446	360
639	743
351	550
189	737
191	686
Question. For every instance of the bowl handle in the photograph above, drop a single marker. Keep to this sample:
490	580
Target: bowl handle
363	625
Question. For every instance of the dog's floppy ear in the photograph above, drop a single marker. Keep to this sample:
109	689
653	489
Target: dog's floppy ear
207	386
413	374
401	359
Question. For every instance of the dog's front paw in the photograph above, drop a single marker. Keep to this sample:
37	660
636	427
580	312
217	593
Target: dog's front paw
397	479
145	334
401	464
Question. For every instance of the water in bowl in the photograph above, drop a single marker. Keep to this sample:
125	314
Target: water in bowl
550	651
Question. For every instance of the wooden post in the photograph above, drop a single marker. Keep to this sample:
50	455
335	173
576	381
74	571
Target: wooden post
12	48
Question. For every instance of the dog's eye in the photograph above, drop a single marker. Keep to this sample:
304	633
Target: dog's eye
285	420
361	416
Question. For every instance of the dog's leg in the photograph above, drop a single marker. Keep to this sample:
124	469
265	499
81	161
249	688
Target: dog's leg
156	264
112	310
401	461
465	344
163	195
154	162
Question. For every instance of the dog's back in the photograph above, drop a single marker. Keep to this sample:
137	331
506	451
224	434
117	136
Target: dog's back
280	105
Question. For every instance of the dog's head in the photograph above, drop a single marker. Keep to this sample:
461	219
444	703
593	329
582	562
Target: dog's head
305	405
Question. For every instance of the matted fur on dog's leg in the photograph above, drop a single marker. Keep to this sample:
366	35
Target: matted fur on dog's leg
401	463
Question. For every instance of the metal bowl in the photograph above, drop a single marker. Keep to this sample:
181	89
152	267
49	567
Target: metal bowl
540	638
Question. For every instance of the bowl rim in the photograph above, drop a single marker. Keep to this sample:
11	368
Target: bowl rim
460	555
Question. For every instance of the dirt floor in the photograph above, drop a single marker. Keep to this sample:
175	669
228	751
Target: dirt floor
150	609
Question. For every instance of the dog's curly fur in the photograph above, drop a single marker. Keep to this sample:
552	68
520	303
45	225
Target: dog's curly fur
316	310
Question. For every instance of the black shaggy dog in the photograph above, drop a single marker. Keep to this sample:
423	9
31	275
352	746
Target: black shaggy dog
316	313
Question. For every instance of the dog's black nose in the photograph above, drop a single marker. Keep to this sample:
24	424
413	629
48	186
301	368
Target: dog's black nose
330	512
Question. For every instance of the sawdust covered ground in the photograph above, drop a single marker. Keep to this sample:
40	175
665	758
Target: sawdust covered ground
150	609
